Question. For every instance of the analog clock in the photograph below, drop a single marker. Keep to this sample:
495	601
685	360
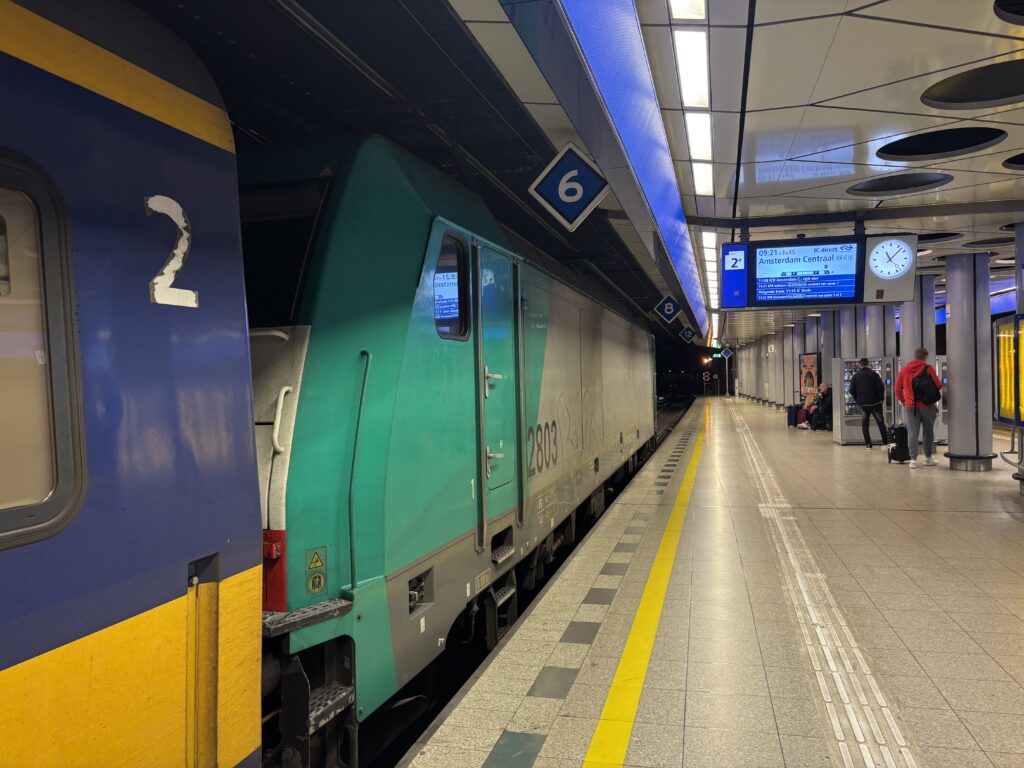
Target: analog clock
891	259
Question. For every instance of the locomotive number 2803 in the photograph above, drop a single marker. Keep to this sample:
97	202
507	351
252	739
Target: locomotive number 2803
542	441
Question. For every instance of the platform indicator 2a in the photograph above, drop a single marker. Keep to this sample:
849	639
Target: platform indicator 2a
570	187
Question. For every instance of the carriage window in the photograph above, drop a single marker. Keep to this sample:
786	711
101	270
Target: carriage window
27	472
451	290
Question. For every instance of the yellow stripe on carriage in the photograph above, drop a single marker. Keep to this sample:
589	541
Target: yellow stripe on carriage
48	46
119	696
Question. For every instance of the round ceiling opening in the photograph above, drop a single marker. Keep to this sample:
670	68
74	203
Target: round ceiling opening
938	237
1015	163
993	85
1010	11
899	184
1008	227
989	242
936	145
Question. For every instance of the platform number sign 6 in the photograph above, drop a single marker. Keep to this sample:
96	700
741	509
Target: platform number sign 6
568	190
161	287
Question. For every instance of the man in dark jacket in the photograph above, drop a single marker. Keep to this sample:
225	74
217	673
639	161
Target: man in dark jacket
867	391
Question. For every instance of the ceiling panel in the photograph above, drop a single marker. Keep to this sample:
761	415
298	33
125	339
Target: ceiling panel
852	136
556	124
778	78
905	96
725	128
662	58
728	12
479	10
652	11
989	161
725	50
896	52
956	14
506	50
675	127
786	10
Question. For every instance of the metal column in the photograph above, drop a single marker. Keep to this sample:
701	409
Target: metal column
917	319
969	350
874	332
779	396
788	365
829	343
889	330
860	330
847	332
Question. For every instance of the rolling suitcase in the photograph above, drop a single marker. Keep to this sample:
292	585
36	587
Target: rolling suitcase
899	449
791	411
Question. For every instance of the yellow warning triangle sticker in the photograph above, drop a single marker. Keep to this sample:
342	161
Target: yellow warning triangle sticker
316	562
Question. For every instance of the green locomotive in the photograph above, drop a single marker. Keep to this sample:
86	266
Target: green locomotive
431	412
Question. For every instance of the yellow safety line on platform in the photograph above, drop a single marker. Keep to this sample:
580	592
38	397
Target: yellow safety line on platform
611	738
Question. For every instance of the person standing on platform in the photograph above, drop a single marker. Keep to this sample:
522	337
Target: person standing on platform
919	389
867	391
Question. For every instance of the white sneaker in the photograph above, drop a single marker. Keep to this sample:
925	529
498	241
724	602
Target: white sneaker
869	448
929	461
913	463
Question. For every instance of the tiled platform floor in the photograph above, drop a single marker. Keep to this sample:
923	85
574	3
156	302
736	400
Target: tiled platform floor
823	608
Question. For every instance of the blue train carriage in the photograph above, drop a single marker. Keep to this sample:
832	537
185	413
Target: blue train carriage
129	507
423	432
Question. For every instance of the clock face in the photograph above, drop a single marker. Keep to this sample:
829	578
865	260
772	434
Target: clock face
891	259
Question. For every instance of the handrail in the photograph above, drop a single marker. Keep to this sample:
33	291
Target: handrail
352	475
275	438
275	332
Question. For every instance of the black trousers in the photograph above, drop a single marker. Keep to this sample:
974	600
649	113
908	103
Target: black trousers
869	411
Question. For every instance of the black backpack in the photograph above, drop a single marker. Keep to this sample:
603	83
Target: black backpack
923	386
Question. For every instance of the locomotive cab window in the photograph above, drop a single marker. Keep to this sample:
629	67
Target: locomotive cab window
38	452
451	290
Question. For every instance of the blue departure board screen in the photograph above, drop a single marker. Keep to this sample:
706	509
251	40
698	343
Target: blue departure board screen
791	273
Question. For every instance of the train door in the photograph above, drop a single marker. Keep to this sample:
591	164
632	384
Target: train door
497	338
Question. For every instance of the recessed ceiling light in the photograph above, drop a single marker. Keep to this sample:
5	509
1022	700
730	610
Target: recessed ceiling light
703	179
993	85
1010	11
925	252
698	135
1011	227
814	314
692	61
935	145
989	242
899	184
687	9
1003	261
1015	163
709	239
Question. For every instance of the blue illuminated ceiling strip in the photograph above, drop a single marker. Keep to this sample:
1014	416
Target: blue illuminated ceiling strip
608	34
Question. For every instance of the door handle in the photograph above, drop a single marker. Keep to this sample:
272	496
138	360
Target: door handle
488	377
491	456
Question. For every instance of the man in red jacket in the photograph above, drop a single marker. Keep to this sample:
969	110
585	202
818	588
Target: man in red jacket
919	399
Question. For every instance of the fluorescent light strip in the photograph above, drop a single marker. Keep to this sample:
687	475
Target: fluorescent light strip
698	135
692	61
709	241
703	179
688	9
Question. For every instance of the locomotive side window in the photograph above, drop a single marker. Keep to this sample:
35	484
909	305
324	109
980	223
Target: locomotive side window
451	294
40	453
26	452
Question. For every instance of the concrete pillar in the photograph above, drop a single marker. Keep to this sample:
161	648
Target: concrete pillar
889	330
847	332
812	335
969	349
874	333
917	319
779	398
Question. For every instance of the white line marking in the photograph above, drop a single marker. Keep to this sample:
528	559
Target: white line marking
817	609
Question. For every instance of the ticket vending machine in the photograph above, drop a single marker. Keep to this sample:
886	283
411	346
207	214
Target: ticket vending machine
941	366
847	416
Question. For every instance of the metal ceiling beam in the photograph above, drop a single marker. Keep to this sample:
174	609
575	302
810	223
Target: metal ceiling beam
854	217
